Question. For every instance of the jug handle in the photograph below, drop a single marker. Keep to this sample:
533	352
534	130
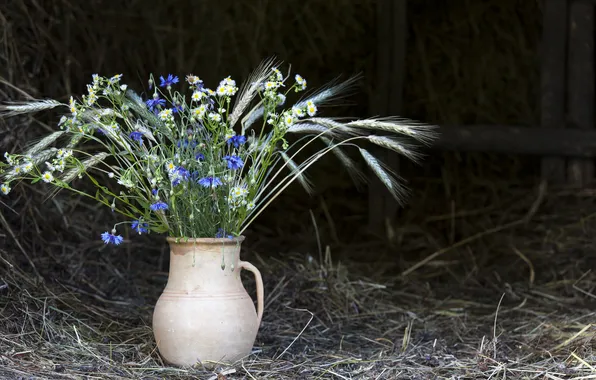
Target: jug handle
260	292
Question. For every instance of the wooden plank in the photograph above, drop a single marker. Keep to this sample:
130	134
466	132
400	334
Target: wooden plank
390	56
553	49
580	83
509	139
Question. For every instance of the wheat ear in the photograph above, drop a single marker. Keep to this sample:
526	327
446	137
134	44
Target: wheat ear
387	177
44	142
85	165
249	89
396	145
307	127
24	107
331	92
421	132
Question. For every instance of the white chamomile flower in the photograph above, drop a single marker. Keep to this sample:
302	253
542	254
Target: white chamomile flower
60	165
197	96
8	158
289	120
47	177
300	81
270	85
215	117
91	99
231	90
165	114
170	166
115	78
278	74
228	81
221	90
192	79
72	105
17	170
62	120
28	167
114	127
311	109
250	205
123	87
198	112
298	112
4	189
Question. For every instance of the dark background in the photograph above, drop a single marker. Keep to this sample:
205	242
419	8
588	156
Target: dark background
468	62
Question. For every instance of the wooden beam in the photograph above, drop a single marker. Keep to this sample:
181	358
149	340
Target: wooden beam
580	83
555	142
553	57
390	60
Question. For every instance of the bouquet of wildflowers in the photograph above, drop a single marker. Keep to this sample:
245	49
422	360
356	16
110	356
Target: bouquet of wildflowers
200	163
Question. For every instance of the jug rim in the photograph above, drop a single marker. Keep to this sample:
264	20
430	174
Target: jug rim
205	241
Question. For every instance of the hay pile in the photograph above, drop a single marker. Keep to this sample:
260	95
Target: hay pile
508	291
517	302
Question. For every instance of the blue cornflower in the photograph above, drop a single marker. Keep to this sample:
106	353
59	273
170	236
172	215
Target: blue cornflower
181	172
221	233
139	226
159	205
155	102
177	108
210	182
137	136
170	80
154	192
234	162
111	238
199	156
237	140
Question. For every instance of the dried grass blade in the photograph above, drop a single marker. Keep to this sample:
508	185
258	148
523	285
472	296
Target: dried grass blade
296	172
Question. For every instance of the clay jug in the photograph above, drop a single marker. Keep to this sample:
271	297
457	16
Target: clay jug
204	314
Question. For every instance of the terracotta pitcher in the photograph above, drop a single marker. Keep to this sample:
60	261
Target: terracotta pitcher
204	314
